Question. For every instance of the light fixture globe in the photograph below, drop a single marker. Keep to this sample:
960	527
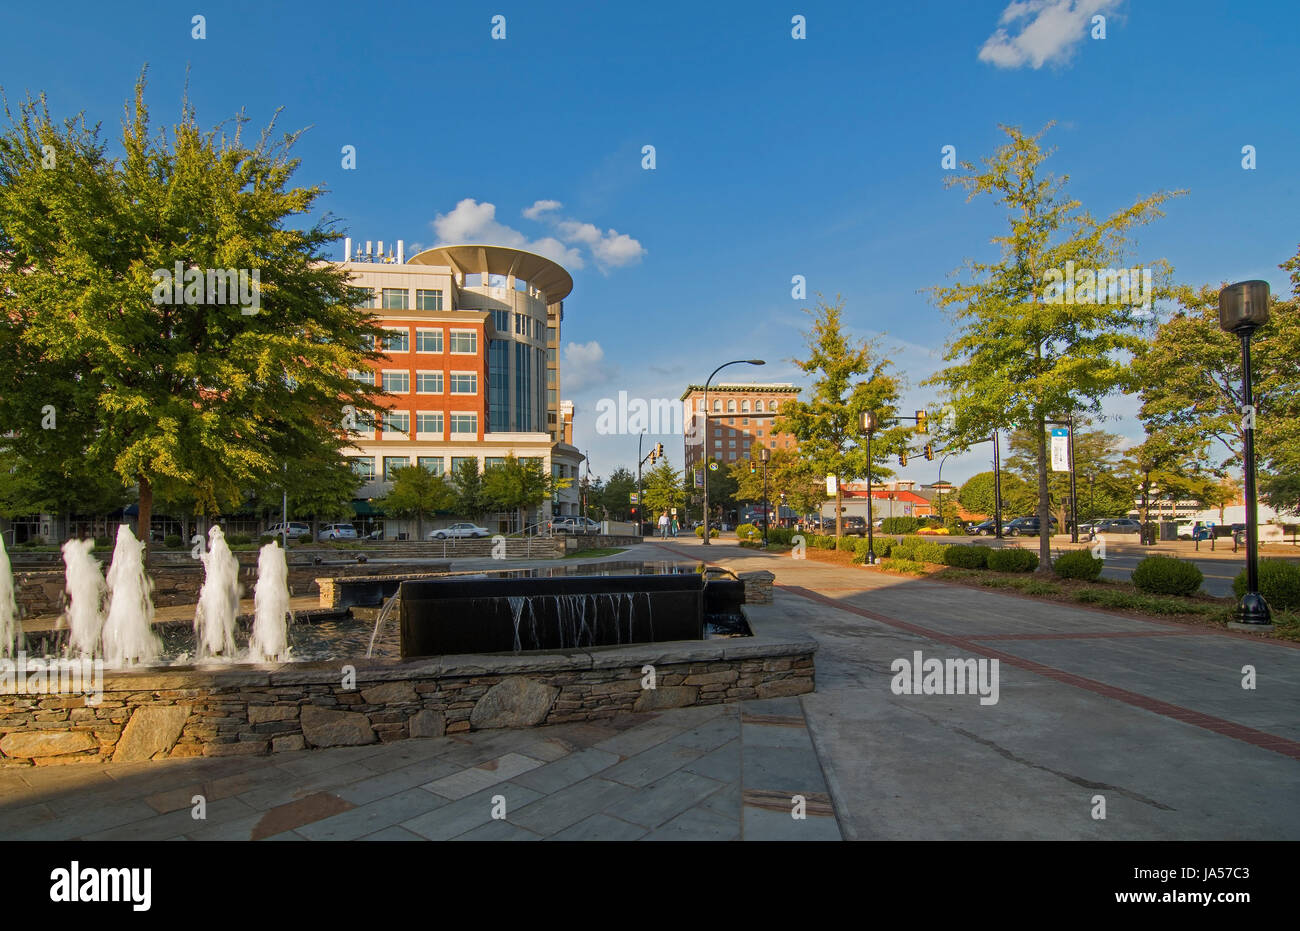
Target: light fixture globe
764	453
1243	306
868	422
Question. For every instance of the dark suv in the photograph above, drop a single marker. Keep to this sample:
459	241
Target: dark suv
1025	526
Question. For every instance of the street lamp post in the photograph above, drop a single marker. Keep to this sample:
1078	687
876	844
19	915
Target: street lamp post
939	483
705	446
869	424
1243	308
764	453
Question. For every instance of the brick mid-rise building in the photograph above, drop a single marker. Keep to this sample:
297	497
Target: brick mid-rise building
739	419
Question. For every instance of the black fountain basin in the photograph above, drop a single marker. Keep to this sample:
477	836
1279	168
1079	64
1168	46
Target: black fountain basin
478	615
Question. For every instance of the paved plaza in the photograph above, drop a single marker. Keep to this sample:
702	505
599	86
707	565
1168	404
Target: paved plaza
1149	716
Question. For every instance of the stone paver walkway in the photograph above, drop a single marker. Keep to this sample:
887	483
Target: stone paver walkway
718	772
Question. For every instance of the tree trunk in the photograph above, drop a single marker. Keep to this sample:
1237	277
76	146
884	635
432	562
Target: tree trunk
144	516
1044	495
839	508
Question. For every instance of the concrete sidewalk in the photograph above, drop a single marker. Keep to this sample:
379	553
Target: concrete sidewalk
1150	716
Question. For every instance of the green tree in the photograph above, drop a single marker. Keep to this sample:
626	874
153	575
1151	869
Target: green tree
787	474
1164	463
417	493
1096	454
663	490
977	495
1031	347
851	376
208	395
467	482
615	497
519	485
1190	381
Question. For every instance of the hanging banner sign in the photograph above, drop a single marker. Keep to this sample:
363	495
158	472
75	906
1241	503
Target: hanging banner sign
1060	449
830	486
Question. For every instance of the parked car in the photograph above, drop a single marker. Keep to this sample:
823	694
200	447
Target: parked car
1025	526
1119	525
573	524
337	532
853	525
295	530
983	529
459	530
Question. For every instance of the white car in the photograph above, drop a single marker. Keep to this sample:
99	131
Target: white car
337	532
295	529
459	530
574	524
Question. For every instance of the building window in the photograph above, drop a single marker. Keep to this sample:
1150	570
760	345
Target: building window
456	462
744	407
758	432
501	321
397	382
498	395
363	467
397	341
717	432
435	464
550	334
462	341
550	396
550	354
426	422
464	423
717	407
368	342
397	422
395	298
428	382
490	461
427	299
731	455
392	464
731	443
367	298
366	378
464	383
744	421
428	340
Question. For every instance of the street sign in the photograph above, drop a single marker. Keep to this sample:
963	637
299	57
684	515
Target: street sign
633	498
830	486
699	478
1060	449
713	465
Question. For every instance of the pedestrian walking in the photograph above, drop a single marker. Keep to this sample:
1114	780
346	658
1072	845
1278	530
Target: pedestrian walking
674	526
663	525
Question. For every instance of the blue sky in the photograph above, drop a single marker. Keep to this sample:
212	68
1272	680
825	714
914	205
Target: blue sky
775	157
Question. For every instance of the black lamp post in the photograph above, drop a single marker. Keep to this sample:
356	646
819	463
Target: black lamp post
1243	308
764	453
706	434
869	424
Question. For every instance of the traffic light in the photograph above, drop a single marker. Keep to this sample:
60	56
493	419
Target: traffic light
652	457
752	467
921	425
902	459
929	451
659	450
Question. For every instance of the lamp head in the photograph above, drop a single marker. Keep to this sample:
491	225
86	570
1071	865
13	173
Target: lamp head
1243	306
869	422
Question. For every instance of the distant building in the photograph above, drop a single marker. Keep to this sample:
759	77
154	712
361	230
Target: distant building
739	419
898	498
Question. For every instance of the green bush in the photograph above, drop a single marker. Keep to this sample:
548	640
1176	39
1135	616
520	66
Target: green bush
910	566
102	541
1279	583
966	557
748	532
1166	575
781	535
1012	560
238	539
955	527
900	525
846	543
173	541
699	532
266	538
1078	564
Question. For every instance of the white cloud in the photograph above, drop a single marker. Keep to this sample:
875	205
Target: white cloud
539	207
1048	32
474	222
584	366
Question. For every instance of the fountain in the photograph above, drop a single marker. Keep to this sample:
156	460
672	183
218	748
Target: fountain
8	607
128	630
84	585
214	616
270	637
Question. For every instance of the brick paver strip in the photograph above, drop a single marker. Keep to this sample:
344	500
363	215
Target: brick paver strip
780	720
1250	735
816	803
314	807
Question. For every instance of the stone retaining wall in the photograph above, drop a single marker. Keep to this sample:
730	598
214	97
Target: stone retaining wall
758	586
265	709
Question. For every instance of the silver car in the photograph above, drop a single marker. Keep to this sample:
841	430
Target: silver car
337	532
459	530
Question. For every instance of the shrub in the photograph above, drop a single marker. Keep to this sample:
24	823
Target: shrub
748	532
966	557
1078	564
173	541
900	525
910	566
781	535
845	544
237	539
1012	560
1166	575
699	532
266	538
1279	583
102	541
